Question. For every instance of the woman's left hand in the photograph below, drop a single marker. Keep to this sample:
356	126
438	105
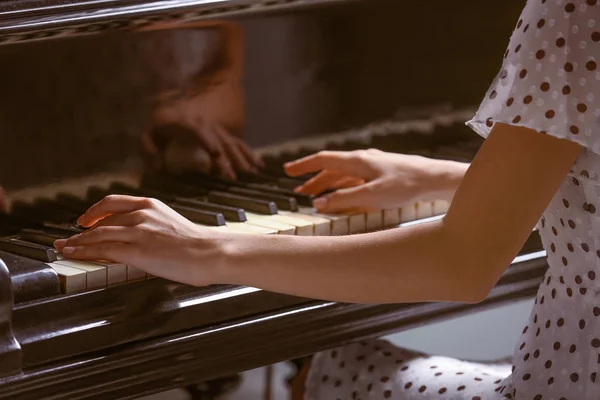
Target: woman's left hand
148	235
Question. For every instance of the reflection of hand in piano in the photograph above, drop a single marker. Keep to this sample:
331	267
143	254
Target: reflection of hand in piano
187	134
144	232
198	127
373	179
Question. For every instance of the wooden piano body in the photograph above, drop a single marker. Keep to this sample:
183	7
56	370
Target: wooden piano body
81	80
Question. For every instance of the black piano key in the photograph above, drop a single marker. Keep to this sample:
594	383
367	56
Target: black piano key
305	200
230	213
285	203
302	199
289	183
248	204
283	195
233	214
282	202
39	236
186	190
62	228
26	249
31	279
199	216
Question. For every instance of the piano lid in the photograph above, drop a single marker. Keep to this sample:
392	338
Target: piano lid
29	20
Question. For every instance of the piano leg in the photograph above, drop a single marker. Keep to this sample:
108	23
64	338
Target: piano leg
214	389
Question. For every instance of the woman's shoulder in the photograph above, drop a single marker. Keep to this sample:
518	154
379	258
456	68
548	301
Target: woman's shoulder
550	75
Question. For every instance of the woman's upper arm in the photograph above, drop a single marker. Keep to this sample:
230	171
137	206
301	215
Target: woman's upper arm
503	194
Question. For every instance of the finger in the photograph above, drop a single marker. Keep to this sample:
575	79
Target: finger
113	251
208	139
224	167
320	183
217	151
347	182
358	197
102	234
237	158
250	155
128	219
332	180
113	204
348	163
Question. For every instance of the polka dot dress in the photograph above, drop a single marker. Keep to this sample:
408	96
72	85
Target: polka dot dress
550	82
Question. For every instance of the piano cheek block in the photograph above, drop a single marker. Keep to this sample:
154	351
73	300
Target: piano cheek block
10	350
31	279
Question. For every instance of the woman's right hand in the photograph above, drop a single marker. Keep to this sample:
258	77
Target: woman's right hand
372	179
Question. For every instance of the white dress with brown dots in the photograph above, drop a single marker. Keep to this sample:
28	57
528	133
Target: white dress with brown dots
549	82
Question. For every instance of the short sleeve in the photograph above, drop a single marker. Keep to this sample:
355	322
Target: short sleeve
550	76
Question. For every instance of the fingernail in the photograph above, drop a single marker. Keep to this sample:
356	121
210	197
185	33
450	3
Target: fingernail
299	189
321	202
60	242
68	250
80	219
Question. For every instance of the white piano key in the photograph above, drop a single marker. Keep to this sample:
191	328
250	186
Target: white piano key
408	213
71	279
115	272
374	220
243	227
340	223
266	221
440	207
302	227
321	226
391	218
357	223
424	209
96	275
135	274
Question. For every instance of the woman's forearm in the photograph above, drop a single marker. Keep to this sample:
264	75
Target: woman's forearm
412	264
444	178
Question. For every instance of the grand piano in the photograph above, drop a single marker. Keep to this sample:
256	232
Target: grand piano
84	81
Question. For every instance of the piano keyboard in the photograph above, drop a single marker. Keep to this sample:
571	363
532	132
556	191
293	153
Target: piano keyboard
260	204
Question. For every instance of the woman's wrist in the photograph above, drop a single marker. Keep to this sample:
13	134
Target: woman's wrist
444	178
232	251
